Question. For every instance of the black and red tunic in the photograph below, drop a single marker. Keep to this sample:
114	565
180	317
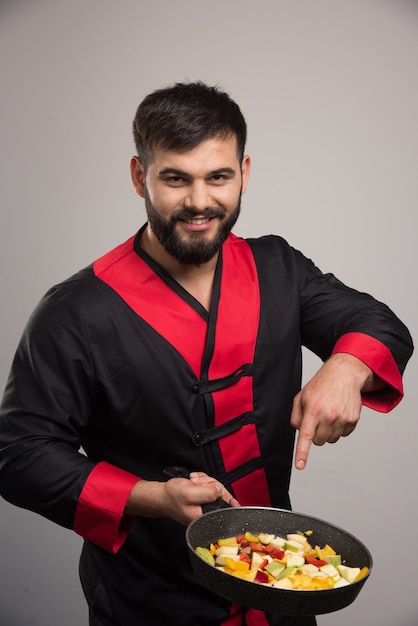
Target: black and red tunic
122	361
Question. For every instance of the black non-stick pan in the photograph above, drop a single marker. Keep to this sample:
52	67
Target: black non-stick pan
227	522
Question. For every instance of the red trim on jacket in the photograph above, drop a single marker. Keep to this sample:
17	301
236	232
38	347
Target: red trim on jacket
99	514
235	616
236	336
252	617
154	301
380	360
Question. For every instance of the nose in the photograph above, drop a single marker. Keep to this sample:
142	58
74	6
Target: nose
198	196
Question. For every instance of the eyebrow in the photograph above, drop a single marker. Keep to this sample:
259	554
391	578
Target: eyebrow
183	174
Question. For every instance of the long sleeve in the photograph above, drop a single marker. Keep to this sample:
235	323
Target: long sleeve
318	311
380	360
336	318
99	515
49	398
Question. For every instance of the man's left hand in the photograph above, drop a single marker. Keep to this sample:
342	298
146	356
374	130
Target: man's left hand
328	406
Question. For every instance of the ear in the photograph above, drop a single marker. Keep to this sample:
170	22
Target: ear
245	171
137	176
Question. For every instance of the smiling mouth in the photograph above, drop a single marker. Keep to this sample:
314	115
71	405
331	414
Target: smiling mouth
198	220
188	216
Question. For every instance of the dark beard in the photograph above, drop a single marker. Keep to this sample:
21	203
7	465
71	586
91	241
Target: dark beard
196	250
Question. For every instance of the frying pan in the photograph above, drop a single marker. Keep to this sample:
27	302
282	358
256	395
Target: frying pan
230	521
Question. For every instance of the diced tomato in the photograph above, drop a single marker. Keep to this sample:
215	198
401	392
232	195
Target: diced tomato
245	557
277	554
269	548
256	547
274	551
314	561
241	538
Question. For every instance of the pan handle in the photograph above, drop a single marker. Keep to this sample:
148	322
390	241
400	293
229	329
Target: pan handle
175	471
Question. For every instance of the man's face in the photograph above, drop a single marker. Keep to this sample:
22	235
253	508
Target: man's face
193	198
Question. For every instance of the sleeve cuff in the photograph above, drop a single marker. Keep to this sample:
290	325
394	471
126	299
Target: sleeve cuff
380	360
99	514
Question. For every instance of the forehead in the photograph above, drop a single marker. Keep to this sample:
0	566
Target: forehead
209	155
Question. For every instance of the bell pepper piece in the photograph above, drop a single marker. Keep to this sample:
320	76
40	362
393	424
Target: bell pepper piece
312	560
251	538
236	566
362	573
261	577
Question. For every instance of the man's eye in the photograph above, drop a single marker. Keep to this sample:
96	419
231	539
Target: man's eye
218	178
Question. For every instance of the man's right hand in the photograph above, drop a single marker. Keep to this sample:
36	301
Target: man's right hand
180	499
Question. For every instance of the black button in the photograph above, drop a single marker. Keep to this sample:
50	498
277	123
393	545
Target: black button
199	439
196	388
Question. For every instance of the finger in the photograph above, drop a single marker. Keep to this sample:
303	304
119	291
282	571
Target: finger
203	480
296	415
229	498
222	492
338	430
199	477
304	438
206	490
326	433
348	429
303	445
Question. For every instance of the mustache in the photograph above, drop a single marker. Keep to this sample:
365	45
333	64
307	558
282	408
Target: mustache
187	214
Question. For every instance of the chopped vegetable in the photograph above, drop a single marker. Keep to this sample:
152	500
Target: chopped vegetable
288	562
205	554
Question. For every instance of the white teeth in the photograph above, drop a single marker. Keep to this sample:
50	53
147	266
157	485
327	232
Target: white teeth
197	220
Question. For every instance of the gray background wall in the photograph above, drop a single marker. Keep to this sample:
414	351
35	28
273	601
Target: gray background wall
329	89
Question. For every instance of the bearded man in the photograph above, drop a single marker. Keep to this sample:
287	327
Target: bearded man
182	346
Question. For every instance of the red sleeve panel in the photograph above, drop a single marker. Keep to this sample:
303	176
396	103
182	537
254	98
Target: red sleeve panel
99	514
379	358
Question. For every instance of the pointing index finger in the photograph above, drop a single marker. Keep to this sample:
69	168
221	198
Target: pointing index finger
303	446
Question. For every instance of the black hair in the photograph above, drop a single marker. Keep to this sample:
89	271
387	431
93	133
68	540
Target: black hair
180	117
